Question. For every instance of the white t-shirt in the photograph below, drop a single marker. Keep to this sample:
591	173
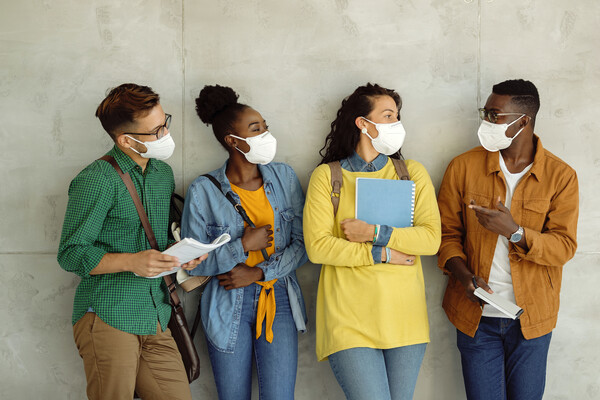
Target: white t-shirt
500	277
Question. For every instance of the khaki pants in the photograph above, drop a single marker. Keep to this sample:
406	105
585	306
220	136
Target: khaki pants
117	363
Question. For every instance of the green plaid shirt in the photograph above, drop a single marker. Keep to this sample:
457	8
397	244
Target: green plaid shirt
101	218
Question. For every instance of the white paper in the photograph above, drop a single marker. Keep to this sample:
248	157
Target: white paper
189	249
510	309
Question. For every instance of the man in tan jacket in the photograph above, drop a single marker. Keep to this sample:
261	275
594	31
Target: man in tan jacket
509	220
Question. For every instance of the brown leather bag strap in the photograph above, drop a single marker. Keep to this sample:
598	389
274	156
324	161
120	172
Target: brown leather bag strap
336	184
145	223
401	169
337	179
175	302
136	200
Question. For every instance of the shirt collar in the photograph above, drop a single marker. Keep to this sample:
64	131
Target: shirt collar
355	163
126	163
221	176
537	169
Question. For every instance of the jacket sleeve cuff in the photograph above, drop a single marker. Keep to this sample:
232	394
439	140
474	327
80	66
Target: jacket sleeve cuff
376	252
518	253
384	235
443	259
269	273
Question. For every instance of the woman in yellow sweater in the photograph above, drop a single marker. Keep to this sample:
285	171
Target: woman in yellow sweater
371	312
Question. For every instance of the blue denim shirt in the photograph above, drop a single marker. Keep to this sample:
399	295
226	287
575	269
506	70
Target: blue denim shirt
207	214
355	163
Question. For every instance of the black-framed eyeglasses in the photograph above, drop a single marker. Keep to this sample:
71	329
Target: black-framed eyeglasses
159	132
492	116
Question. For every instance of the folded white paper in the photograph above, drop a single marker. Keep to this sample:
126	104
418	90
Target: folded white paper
189	249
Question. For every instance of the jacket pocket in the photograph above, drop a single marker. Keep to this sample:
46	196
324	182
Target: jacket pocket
534	213
549	277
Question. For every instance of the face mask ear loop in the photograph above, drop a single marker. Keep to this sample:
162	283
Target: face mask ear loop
240	151
364	130
514	137
237	137
367	133
521	130
135	140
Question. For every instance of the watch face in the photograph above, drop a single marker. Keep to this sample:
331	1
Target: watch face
516	237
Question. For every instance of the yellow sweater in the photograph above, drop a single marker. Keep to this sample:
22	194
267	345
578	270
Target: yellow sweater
361	304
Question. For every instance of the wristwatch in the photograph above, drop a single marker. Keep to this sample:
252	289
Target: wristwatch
517	236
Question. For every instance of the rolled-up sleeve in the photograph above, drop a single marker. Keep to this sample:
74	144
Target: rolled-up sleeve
90	199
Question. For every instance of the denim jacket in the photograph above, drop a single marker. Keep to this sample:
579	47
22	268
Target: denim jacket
207	214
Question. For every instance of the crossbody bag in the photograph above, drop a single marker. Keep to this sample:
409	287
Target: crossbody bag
178	323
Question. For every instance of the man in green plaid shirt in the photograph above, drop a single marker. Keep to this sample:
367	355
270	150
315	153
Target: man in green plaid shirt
120	316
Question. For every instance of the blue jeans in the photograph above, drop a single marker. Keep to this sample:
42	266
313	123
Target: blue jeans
499	363
365	373
276	362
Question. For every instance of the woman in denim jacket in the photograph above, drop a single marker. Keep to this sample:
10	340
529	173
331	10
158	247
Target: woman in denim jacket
254	306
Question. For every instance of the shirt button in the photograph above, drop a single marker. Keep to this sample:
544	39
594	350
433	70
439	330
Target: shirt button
278	248
276	258
276	208
269	192
277	229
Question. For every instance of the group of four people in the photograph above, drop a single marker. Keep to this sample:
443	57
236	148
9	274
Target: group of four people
507	223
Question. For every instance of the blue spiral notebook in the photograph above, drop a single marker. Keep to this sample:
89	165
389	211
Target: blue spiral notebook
385	201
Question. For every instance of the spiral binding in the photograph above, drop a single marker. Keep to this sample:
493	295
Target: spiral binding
412	206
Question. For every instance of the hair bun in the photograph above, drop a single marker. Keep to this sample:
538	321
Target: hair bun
214	99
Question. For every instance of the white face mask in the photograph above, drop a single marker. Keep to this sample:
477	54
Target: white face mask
262	148
160	149
390	139
493	136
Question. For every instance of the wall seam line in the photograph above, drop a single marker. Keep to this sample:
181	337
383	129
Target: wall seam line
479	53
183	152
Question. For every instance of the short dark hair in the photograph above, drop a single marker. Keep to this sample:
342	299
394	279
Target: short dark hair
344	135
123	104
523	94
218	105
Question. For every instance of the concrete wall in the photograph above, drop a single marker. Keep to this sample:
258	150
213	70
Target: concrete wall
293	61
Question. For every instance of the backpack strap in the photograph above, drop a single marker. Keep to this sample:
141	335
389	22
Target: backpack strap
401	169
337	180
336	184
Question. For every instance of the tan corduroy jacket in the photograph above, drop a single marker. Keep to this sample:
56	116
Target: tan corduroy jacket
545	203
